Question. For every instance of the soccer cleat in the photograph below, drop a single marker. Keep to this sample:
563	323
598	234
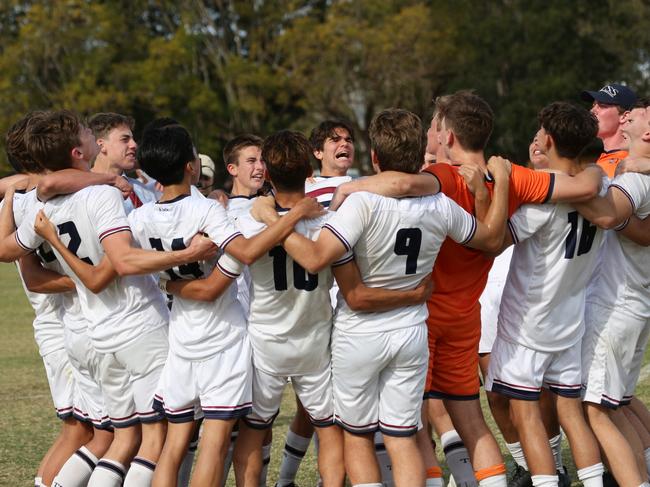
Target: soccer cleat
563	478
520	478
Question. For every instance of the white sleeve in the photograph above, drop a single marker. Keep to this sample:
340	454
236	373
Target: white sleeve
248	225
461	224
106	210
230	266
636	187
527	220
218	226
348	223
26	236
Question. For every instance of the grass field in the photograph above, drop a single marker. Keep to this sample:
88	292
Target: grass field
27	421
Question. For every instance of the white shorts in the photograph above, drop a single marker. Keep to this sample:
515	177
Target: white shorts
61	381
129	379
614	345
314	391
520	372
88	400
378	380
220	385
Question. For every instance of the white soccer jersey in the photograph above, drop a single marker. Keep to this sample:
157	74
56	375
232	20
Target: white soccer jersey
290	320
129	306
395	243
622	278
48	329
323	188
543	301
198	329
239	206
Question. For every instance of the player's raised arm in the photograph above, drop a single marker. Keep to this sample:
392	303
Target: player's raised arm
38	279
248	251
10	250
363	298
606	211
210	288
490	233
68	181
388	183
95	278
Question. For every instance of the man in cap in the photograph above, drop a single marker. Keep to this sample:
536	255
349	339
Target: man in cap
611	104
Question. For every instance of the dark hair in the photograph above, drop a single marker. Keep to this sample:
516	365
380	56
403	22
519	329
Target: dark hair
327	130
234	146
642	102
102	123
286	155
158	123
16	149
571	127
398	140
50	138
163	153
469	116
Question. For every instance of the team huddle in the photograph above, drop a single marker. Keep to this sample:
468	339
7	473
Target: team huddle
170	322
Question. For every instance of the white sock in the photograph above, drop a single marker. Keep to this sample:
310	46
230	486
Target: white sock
499	480
385	468
140	473
37	481
517	453
228	461
433	482
107	473
77	469
545	480
266	459
646	454
458	459
556	447
185	472
294	450
592	476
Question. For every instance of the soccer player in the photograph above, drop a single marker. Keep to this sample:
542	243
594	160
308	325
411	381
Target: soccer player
207	336
460	273
610	105
541	317
394	241
618	313
52	295
129	317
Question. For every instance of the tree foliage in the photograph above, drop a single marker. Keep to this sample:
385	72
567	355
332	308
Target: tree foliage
226	67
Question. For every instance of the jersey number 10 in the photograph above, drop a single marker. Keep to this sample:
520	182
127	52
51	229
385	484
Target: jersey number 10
587	234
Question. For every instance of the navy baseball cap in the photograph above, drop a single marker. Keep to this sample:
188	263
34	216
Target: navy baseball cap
612	94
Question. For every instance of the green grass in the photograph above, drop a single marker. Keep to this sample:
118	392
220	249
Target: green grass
28	424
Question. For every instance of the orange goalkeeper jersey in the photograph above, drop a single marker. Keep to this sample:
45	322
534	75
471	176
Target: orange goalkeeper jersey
609	160
460	273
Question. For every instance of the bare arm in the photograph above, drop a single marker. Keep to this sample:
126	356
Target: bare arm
490	233
634	164
9	248
581	187
388	183
207	289
69	181
248	251
637	230
606	211
129	260
95	278
38	279
16	181
362	298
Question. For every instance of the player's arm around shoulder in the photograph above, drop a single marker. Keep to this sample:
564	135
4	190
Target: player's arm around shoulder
38	279
10	249
489	234
615	207
392	184
68	181
572	189
637	230
210	288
